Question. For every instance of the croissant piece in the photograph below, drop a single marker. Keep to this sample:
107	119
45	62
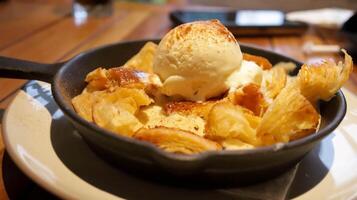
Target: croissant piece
290	113
109	79
176	140
227	121
84	102
115	117
97	80
143	60
322	81
131	99
139	96
274	81
153	116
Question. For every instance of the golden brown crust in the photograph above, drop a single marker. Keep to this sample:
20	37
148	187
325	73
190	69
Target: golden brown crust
101	79
251	98
97	80
125	77
109	79
214	26
176	140
259	60
189	108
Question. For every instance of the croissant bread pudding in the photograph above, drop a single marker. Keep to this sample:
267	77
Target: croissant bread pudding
196	91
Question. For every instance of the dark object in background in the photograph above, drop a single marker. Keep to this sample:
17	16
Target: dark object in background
351	24
92	2
284	5
349	30
245	22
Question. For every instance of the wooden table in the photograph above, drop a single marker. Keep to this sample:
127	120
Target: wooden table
48	33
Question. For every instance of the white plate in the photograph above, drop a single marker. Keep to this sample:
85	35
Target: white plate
47	148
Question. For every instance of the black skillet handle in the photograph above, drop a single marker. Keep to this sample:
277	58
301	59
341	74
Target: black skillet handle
21	69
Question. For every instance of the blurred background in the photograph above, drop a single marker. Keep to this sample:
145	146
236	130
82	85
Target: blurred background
285	5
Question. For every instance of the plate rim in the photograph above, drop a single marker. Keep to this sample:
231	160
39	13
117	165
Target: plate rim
53	188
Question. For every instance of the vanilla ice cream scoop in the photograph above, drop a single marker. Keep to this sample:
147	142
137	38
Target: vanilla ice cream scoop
194	60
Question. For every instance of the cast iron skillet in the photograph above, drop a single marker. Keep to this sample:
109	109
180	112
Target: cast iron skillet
240	166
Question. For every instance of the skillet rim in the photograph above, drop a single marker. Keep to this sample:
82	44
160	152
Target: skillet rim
154	151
